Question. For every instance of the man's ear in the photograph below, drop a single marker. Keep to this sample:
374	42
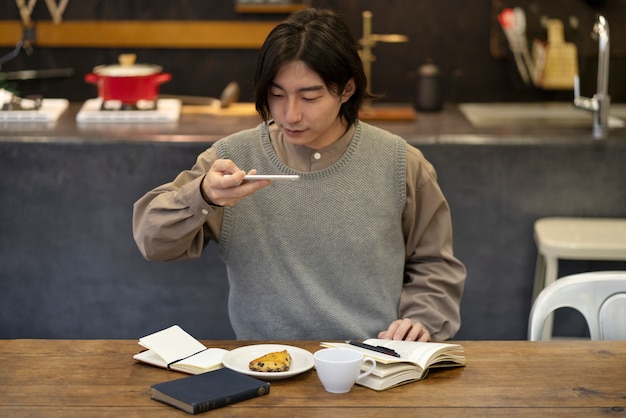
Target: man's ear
348	91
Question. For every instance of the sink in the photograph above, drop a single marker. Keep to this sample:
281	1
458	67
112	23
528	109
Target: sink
552	114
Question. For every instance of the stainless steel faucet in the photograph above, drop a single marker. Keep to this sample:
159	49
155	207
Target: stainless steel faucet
601	101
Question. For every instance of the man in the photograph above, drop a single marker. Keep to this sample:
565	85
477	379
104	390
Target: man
359	247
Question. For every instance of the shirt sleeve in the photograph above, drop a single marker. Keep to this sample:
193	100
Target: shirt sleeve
174	221
434	278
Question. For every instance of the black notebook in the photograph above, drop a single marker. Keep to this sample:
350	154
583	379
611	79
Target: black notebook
209	390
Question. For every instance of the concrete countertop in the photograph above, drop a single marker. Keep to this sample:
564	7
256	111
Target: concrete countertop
447	126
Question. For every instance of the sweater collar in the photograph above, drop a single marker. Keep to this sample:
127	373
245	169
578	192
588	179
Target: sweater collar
302	158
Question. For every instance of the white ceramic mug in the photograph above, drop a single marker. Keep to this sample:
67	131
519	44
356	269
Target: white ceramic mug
338	368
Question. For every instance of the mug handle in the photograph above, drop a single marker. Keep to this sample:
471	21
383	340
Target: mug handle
370	370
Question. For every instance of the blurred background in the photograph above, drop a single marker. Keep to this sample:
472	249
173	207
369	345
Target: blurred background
464	39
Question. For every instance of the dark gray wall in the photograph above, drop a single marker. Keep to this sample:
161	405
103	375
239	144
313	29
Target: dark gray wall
496	193
69	267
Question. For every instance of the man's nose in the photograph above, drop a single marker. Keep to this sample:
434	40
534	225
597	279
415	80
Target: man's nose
293	112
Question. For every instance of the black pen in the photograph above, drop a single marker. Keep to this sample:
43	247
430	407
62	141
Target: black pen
376	348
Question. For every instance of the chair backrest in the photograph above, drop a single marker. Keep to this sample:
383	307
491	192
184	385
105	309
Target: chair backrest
599	296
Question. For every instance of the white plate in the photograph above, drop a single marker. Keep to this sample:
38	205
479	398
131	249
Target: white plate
239	358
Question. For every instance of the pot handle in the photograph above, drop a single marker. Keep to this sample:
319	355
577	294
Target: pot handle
162	78
92	78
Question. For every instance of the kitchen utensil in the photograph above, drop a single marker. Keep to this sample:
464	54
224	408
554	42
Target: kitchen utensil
37	74
26	10
507	20
429	88
16	51
561	65
520	32
539	60
56	10
229	95
9	101
128	82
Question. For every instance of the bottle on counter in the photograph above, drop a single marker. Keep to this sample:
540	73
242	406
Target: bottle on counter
429	88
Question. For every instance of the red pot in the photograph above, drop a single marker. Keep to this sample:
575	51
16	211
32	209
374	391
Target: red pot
128	83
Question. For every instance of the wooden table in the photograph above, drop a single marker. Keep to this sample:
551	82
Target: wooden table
80	378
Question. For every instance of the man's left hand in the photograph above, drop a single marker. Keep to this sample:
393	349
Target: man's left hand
405	329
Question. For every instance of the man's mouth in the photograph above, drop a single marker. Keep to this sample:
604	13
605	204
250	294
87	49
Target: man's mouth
292	132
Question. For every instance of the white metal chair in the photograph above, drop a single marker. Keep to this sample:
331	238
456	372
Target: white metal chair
599	296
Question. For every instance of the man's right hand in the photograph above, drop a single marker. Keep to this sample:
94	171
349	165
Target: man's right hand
224	184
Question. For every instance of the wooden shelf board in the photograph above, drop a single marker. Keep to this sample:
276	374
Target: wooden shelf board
142	34
393	113
269	8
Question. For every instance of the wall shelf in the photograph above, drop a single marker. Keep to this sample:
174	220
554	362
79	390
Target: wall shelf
269	8
141	34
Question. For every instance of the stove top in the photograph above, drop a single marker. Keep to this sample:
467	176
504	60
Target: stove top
49	111
93	111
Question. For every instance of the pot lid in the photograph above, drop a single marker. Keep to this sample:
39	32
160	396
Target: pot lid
127	68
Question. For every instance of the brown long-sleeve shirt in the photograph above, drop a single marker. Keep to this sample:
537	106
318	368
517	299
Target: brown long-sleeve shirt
174	222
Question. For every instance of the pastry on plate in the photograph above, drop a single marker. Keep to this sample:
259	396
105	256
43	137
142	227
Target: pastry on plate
278	361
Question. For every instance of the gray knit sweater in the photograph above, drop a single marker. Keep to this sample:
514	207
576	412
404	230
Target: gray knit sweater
321	257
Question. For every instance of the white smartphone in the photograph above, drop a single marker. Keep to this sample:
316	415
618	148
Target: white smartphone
270	177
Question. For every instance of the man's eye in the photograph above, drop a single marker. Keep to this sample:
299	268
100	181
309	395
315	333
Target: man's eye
310	99
274	94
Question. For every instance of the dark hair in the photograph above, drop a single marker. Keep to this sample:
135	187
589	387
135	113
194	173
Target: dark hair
322	40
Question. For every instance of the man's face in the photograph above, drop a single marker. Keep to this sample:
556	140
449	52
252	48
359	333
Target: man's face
305	110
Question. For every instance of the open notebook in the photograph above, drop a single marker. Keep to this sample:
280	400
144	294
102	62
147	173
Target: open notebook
173	348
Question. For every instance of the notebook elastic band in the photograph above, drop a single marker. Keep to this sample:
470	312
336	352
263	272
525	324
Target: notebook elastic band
185	358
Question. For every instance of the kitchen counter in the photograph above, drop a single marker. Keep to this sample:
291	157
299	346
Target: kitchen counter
70	267
448	126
